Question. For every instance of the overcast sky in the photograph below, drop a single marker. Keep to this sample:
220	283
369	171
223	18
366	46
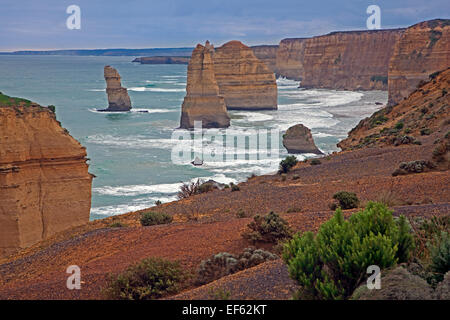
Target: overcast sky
41	24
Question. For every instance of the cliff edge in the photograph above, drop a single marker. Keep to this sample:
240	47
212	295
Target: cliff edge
45	186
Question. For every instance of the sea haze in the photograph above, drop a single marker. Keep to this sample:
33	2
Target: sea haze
130	153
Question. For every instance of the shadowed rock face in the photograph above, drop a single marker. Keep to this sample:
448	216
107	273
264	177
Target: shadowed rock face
45	186
422	50
289	58
298	139
244	81
118	99
267	54
202	101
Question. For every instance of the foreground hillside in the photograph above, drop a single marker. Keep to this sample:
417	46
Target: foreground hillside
209	223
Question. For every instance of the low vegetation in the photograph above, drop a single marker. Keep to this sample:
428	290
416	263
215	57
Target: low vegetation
346	200
152	278
333	263
270	229
150	218
287	164
224	263
416	166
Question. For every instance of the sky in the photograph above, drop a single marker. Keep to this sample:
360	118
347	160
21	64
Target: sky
41	24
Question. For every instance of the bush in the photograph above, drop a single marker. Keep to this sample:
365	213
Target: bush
270	228
315	162
283	177
347	200
151	218
234	187
332	264
158	202
399	125
295	177
287	164
425	132
152	278
117	224
189	189
440	255
225	263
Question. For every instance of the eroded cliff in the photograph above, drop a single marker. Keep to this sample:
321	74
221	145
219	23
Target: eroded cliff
289	59
267	54
45	186
354	60
244	81
423	48
202	101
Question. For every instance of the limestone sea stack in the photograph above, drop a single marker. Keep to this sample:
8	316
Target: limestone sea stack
423	49
202	101
118	99
45	186
298	139
244	81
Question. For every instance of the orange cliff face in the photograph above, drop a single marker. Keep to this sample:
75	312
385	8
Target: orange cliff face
353	60
45	186
289	58
202	101
244	81
422	50
267	54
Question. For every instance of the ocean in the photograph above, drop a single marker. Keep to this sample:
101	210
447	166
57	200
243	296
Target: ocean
130	153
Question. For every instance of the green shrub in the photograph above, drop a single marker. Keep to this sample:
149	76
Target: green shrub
315	162
234	187
158	202
399	125
287	164
152	278
440	255
117	224
52	108
283	177
150	218
270	228
332	264
347	200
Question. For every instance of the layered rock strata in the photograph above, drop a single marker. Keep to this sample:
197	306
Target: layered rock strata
354	60
45	186
267	54
289	58
244	81
118	98
202	101
422	50
298	139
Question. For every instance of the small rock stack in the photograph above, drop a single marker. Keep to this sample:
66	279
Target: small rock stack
118	99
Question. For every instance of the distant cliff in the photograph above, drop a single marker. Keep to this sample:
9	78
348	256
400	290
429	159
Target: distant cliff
424	48
45	186
108	52
162	60
354	60
289	58
267	54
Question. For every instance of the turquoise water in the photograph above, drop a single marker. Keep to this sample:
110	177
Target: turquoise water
130	153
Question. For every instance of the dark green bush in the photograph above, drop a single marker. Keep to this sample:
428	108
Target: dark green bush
332	264
270	228
234	187
425	132
440	255
399	125
287	164
315	162
152	278
150	218
347	200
